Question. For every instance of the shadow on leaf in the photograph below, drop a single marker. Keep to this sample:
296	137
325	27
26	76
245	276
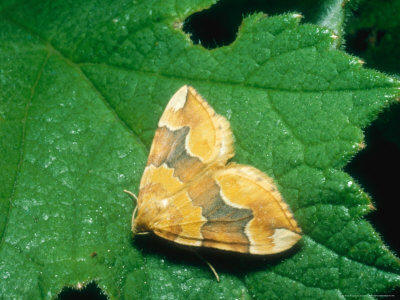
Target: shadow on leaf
237	264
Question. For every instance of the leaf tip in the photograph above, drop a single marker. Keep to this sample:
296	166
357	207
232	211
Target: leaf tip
177	25
334	36
360	61
371	206
298	16
361	145
79	285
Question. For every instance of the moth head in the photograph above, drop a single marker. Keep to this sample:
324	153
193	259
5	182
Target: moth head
139	224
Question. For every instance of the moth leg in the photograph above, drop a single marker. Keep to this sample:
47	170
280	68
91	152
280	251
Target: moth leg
208	264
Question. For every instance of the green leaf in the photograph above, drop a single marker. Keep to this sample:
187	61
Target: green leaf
83	86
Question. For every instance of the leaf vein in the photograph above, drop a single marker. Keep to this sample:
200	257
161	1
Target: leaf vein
22	148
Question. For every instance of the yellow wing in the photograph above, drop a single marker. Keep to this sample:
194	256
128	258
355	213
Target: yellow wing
190	138
235	208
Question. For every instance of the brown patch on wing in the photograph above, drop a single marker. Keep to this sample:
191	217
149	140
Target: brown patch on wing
190	138
273	228
225	226
169	148
209	137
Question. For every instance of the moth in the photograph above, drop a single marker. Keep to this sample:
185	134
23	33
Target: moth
190	195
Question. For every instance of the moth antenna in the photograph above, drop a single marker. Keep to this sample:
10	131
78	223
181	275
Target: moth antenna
134	211
132	195
209	265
